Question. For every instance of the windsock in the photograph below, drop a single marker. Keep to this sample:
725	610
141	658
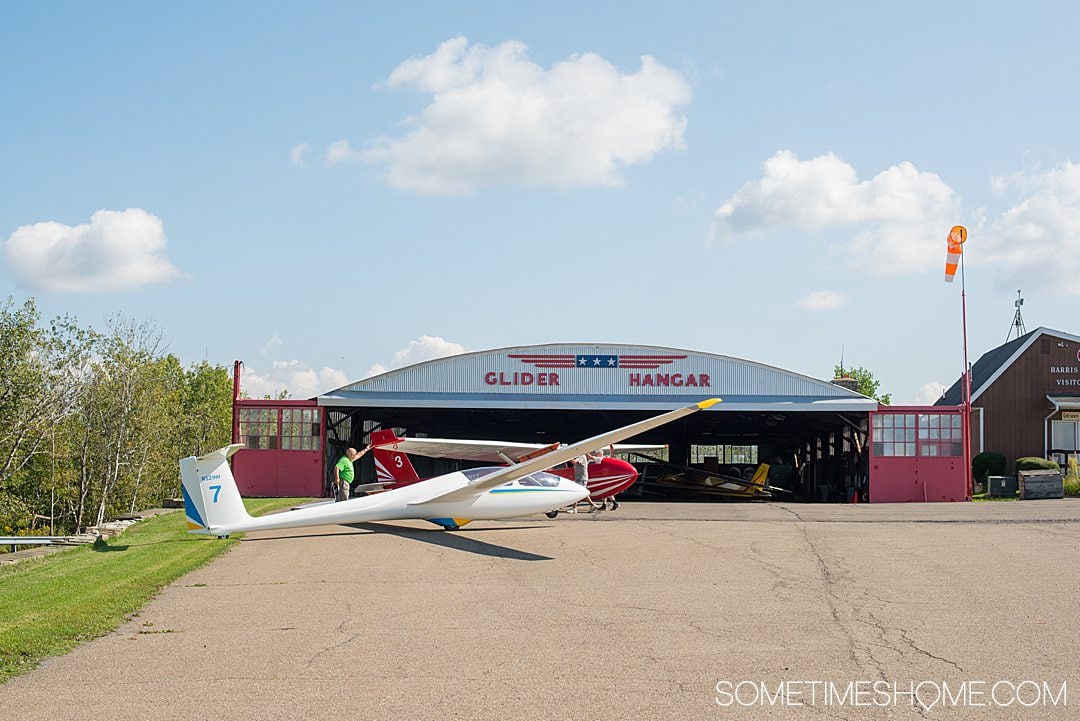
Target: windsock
957	236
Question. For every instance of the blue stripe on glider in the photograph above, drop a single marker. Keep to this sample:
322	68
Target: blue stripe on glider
190	510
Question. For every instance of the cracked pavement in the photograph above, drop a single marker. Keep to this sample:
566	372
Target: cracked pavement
635	613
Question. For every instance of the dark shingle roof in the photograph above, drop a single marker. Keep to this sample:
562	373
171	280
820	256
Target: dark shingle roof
984	369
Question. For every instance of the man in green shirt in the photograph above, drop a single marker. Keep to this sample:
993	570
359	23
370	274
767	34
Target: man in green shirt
344	473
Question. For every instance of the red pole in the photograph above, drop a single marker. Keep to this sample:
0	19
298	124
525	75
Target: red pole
966	410
236	401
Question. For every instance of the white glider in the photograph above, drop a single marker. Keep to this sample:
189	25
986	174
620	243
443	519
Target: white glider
213	506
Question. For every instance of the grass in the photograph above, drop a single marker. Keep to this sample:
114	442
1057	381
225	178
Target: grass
51	604
1072	477
988	497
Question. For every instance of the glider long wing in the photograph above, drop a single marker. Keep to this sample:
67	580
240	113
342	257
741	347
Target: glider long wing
554	458
487	451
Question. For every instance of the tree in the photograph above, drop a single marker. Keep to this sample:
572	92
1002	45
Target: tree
207	408
92	424
868	385
40	372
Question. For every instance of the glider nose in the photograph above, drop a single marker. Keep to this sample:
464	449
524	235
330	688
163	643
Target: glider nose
578	491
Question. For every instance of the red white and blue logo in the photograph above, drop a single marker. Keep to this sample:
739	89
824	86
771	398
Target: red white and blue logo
570	360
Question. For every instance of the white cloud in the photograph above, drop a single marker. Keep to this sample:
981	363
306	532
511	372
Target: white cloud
424	348
376	369
340	152
116	249
295	376
497	117
823	300
898	218
1039	236
930	393
273	342
299	154
301	380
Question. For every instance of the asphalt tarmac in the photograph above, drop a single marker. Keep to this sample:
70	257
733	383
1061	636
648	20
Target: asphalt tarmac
653	611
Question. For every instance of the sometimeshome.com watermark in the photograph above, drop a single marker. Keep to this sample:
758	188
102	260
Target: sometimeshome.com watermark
924	694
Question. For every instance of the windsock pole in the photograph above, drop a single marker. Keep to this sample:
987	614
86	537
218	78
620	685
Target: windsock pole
955	256
966	410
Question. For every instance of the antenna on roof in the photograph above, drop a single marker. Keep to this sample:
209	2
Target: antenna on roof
1018	319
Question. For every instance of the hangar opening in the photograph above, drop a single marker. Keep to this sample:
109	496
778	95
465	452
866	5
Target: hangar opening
811	433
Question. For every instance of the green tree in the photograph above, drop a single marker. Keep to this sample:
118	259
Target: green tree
207	408
137	411
92	424
39	373
868	385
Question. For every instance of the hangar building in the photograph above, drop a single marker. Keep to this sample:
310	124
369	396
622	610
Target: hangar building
814	433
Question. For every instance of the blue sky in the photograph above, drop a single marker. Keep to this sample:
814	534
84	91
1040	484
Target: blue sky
330	189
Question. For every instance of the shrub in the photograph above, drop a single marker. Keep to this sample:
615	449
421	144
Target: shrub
15	515
987	464
1072	478
1034	463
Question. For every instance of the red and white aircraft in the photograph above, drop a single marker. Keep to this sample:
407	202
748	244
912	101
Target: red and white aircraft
608	476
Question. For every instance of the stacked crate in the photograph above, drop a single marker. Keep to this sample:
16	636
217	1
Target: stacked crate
1041	484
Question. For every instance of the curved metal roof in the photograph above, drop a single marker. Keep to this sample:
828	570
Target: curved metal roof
600	376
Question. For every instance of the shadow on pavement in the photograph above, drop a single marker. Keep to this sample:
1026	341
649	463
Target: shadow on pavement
453	539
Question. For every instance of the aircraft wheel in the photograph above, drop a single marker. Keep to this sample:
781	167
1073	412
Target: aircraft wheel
452	528
225	536
551	514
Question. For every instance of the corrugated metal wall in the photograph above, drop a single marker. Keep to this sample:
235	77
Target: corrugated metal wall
624	369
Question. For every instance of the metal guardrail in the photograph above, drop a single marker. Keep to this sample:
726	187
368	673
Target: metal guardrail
16	541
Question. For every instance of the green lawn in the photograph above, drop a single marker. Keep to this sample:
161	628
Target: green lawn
51	604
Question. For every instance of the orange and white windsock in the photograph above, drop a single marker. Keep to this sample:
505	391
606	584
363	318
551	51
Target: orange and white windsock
957	236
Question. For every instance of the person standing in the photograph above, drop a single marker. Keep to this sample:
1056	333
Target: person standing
598	457
581	470
344	472
581	473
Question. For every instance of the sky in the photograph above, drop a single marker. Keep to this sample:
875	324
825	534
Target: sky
329	190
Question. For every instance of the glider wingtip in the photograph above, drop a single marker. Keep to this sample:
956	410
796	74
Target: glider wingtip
708	403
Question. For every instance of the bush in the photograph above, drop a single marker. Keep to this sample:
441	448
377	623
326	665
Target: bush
1072	478
987	464
15	515
1034	463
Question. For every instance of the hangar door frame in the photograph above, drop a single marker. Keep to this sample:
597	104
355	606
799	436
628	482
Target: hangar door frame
284	442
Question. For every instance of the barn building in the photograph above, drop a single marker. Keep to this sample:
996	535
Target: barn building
1025	397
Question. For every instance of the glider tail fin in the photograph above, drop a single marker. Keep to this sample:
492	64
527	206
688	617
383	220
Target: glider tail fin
391	465
761	475
212	502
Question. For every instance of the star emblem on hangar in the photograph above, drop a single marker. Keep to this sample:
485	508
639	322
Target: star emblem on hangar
598	360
